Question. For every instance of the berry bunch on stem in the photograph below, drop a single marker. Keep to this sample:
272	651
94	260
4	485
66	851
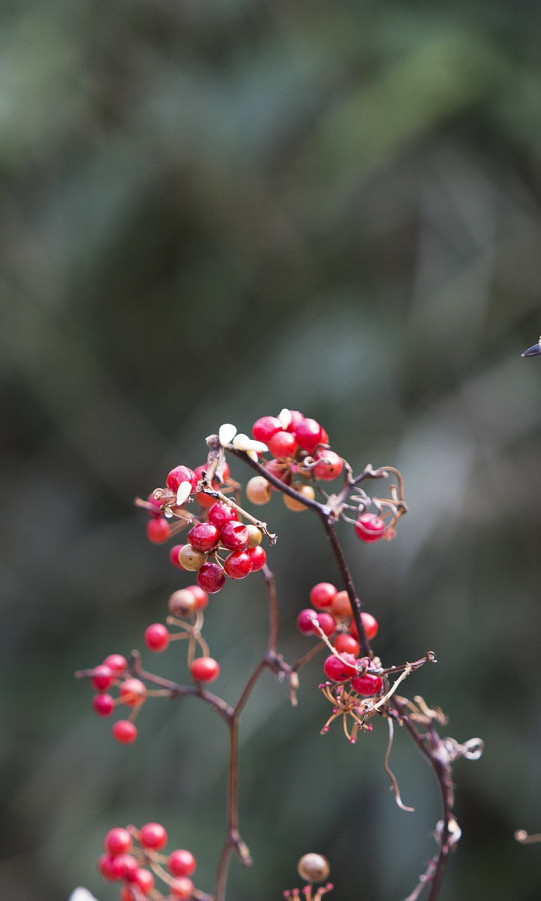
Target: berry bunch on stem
289	455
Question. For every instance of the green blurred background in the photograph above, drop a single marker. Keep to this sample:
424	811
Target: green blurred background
211	210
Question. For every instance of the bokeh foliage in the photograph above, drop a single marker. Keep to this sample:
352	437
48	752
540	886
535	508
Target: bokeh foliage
210	211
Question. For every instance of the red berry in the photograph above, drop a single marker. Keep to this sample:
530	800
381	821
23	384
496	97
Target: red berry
367	685
158	530
265	428
338	671
102	677
205	669
370	624
370	527
346	644
322	595
116	662
309	434
204	500
125	865
238	564
235	536
182	888
326	623
305	621
117	841
178	475
124	732
153	835
128	893
157	637
173	556
181	863
295	419
143	879
329	465
220	514
282	444
258	557
201	597
204	536
103	704
341	605
211	578
107	867
279	470
132	692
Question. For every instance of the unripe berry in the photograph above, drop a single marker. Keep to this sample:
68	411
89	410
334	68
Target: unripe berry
255	535
258	490
157	637
153	835
181	863
182	602
313	867
133	692
292	503
205	669
211	578
190	558
124	732
370	527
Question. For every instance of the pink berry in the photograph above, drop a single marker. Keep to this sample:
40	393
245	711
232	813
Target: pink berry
117	841
305	621
124	732
107	867
322	595
102	677
205	669
309	434
326	623
143	879
338	671
153	835
367	685
173	556
258	557
158	530
265	428
204	536
181	863
282	444
178	475
182	888
125	865
370	527
329	465
133	692
238	564
346	644
201	597
234	536
220	514
103	704
211	578
116	662
157	637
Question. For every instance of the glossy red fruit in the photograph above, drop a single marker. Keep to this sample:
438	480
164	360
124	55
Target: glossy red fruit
102	677
329	465
143	879
182	888
178	475
205	669
124	732
338	671
370	625
117	841
258	557
125	866
322	595
158	530
132	692
211	578
265	428
116	662
157	637
346	644
108	868
308	434
326	623
204	536
103	704
282	444
153	835
305	621
367	685
370	527
201	597
181	862
220	514
234	536
238	564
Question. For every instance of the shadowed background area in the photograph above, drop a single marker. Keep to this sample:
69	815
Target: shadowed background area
211	211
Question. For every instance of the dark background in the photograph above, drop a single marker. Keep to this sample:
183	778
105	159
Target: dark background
209	211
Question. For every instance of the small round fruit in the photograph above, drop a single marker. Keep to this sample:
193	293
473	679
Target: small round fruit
326	623
346	644
133	692
370	625
153	835
103	704
181	862
190	558
125	866
255	535
157	637
238	564
292	503
265	427
282	444
205	669
367	685
340	604
182	602
204	536
116	662
201	597
309	434
234	536
220	514
181	474
322	595
211	578
182	888
370	527
124	732
305	621
117	841
173	556
337	670
313	867
258	490
158	530
329	465
258	557
143	879
102	677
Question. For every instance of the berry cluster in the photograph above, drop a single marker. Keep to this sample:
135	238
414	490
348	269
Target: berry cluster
135	857
166	506
334	618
